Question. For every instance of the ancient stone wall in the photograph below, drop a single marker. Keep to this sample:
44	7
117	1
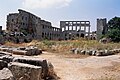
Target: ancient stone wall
28	23
73	29
101	27
25	68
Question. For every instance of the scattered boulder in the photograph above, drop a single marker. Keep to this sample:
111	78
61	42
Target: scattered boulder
100	53
26	68
95	52
28	51
88	52
83	52
77	51
105	40
7	58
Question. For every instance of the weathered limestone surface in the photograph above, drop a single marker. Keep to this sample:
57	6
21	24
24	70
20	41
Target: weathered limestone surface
5	74
29	51
32	27
25	67
4	53
20	52
23	71
95	52
7	58
37	62
47	69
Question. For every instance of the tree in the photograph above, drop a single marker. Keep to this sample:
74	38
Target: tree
114	29
114	23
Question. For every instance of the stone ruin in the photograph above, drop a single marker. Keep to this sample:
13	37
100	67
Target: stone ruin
28	51
32	25
75	29
102	28
94	52
25	68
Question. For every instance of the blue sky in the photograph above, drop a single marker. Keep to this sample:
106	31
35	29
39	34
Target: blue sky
57	10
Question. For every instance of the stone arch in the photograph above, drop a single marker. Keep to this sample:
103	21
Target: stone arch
82	35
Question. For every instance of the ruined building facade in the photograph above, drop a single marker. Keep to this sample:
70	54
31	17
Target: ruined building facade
102	27
30	24
73	29
36	28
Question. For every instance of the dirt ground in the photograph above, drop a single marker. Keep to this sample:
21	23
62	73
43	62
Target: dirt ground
78	67
87	68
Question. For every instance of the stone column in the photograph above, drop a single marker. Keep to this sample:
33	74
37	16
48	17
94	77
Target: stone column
72	25
80	26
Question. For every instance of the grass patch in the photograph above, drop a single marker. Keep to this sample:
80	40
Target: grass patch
66	46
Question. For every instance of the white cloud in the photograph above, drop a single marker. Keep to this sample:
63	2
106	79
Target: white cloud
36	4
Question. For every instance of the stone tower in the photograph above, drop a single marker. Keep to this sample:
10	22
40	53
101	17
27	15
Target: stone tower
101	27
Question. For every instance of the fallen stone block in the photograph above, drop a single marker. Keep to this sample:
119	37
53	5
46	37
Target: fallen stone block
4	49
47	67
77	51
103	53
7	58
88	52
33	51
20	52
38	52
2	54
94	53
27	51
5	53
116	51
83	52
73	50
5	74
32	61
22	71
21	48
100	53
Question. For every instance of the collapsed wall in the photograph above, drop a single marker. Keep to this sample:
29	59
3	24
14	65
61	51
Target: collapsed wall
28	51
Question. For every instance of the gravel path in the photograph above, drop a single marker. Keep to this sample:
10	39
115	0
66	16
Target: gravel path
90	68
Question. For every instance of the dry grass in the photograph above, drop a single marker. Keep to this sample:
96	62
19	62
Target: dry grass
66	46
16	45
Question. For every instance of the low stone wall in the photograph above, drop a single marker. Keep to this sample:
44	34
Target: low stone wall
95	52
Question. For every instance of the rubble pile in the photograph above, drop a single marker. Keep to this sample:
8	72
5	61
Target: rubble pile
28	51
25	68
95	52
